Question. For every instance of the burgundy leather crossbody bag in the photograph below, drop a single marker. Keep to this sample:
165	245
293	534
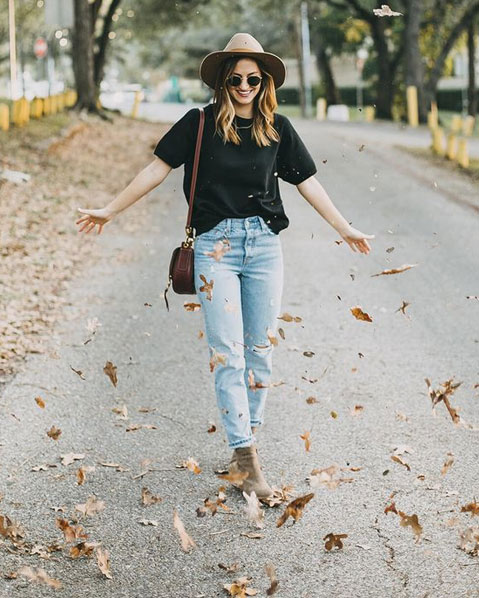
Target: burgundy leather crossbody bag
181	273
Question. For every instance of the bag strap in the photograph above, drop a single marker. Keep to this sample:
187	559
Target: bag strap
188	229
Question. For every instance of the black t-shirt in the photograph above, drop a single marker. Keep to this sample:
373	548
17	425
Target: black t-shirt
236	181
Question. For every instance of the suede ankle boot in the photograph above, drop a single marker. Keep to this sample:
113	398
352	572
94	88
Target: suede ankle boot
233	456
246	459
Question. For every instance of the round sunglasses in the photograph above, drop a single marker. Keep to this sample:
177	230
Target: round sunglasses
235	80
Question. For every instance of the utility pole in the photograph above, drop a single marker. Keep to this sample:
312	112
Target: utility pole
306	59
13	54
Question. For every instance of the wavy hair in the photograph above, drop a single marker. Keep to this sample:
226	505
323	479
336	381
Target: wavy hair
264	105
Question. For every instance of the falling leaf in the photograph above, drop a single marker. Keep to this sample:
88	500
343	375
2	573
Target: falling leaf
81	475
271	337
397	459
412	522
253	509
192	306
186	541
229	568
311	400
110	370
39	576
308	353
271	573
190	464
359	314
327	477
83	549
79	372
148	522
361	147
121	411
281	333
217	358
385	11
333	540
40	402
234	476
10	528
71	532
307	440
472	508
69	458
103	561
201	334
469	541
448	389
91	507
207	287
238	588
356	410
403	307
135	427
147	498
334	414
289	318
402	268
447	463
294	509
54	432
211	429
221	247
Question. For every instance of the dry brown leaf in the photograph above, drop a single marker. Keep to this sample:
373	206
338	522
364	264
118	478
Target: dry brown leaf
69	458
307	441
40	402
147	498
359	314
110	370
91	507
83	549
472	508
356	410
402	268
186	541
39	576
412	522
81	476
221	247
103	561
447	463
54	432
469	540
332	540
397	459
271	573
190	464
311	400
10	528
207	287
71	532
238	588
192	306
295	509
253	509
448	389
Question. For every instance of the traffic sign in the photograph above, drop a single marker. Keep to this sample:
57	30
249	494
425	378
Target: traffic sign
40	47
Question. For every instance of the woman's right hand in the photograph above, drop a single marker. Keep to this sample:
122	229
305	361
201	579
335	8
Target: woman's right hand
93	217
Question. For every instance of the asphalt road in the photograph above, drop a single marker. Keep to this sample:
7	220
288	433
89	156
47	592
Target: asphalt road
429	217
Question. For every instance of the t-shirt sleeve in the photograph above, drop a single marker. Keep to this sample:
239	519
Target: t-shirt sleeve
178	144
294	162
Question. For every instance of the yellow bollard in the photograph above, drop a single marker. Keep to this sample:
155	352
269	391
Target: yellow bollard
25	110
451	150
438	141
435	113
468	126
369	113
4	117
463	153
412	108
433	117
456	123
136	104
321	109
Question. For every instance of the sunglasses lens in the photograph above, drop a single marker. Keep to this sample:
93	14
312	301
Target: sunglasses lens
234	80
254	81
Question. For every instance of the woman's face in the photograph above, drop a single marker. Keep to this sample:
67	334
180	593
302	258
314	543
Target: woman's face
244	94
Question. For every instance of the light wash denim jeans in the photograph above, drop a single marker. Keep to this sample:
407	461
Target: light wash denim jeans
240	310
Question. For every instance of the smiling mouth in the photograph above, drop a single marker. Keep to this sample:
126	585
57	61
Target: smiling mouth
244	94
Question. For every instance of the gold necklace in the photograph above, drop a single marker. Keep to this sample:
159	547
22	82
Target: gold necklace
248	127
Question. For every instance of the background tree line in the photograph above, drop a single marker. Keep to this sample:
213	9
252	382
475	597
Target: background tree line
413	49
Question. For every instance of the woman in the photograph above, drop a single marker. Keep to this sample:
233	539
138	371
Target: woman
237	216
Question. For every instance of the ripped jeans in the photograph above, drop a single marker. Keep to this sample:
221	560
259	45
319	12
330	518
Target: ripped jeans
240	287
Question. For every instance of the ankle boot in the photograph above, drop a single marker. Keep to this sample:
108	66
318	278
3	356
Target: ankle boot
233	456
247	460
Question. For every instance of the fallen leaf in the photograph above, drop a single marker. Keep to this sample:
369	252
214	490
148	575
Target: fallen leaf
294	509
253	509
40	402
307	440
54	432
69	458
333	540
186	541
271	573
39	576
103	561
91	507
110	370
147	498
398	270
359	314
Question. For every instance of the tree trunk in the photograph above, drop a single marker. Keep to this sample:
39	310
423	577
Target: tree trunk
82	57
327	76
299	54
99	58
384	90
471	50
414	66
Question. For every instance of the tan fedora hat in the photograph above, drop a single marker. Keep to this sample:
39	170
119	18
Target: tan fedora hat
242	44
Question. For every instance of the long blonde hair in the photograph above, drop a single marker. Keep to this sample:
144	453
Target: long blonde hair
264	105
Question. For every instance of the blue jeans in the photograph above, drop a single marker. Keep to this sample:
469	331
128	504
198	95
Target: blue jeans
240	295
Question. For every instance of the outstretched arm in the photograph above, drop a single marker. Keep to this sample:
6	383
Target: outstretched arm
315	194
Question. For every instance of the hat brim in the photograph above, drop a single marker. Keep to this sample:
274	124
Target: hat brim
210	64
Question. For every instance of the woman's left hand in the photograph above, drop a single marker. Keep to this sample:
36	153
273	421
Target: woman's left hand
356	239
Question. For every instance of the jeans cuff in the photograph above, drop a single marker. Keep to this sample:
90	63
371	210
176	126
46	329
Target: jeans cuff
239	443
